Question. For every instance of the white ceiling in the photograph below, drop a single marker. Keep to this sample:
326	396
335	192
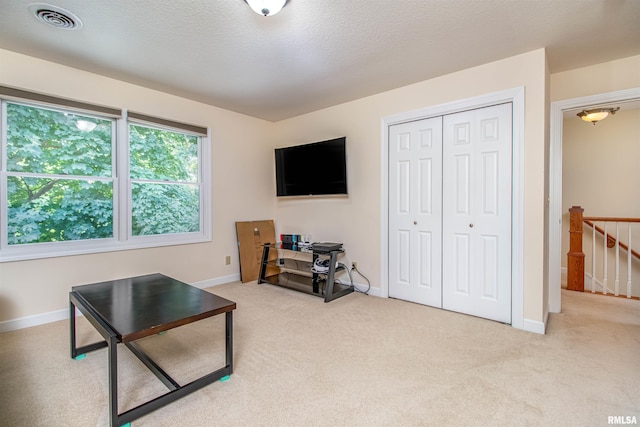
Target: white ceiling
315	53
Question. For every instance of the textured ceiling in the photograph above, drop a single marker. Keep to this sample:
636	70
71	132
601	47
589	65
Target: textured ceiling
315	53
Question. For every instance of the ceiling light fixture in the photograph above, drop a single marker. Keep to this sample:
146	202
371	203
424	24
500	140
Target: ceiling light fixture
596	114
266	7
86	125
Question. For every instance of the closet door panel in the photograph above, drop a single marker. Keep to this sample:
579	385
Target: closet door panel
415	211
476	245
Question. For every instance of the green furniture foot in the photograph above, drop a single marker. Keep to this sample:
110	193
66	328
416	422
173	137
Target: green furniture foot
225	378
80	356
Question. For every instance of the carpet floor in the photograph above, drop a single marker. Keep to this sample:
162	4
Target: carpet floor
356	361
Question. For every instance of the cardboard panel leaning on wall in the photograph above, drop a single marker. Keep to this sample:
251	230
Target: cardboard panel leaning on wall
252	236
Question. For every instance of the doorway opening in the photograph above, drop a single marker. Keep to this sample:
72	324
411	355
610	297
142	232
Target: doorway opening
558	109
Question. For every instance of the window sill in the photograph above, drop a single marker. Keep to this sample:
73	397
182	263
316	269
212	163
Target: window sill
41	251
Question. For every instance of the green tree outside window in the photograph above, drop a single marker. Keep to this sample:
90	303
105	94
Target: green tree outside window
61	167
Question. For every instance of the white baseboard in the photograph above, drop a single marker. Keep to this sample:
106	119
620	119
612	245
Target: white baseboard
598	283
587	281
217	281
362	287
236	277
535	326
372	291
54	316
35	320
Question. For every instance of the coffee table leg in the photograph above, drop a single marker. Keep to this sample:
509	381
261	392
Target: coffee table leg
229	340
113	381
72	325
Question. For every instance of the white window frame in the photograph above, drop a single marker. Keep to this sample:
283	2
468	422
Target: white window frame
203	188
122	239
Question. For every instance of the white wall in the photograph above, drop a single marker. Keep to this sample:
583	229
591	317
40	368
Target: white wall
241	184
355	220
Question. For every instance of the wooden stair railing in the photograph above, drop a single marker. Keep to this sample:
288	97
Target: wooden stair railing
575	256
611	241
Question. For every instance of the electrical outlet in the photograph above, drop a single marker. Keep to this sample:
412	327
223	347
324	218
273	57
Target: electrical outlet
227	260
354	265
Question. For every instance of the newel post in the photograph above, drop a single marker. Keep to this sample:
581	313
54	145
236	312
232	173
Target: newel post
575	257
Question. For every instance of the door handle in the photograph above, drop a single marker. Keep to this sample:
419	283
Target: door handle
470	225
415	222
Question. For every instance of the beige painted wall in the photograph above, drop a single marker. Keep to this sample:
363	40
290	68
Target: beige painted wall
242	185
355	220
600	78
243	175
600	173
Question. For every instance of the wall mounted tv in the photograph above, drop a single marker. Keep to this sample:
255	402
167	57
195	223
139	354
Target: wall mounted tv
319	168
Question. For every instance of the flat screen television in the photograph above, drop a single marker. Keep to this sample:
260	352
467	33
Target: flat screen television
319	168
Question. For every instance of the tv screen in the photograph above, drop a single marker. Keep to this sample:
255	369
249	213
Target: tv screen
313	169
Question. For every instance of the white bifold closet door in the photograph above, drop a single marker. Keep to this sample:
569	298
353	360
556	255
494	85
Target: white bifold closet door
450	212
415	211
476	230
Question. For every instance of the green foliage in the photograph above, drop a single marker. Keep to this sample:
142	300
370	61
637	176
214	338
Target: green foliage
161	155
48	142
68	210
164	209
60	184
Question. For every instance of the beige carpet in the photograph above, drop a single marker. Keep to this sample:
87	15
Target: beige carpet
357	361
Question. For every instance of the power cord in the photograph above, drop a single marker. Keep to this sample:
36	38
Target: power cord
349	270
364	277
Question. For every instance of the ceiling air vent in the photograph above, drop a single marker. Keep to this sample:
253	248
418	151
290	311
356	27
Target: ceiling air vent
55	16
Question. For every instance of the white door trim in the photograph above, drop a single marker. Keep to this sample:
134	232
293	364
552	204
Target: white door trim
555	180
516	97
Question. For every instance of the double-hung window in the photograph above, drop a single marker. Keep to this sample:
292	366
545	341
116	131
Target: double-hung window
77	179
165	170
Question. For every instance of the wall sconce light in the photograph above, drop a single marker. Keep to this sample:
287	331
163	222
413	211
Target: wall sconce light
266	7
596	114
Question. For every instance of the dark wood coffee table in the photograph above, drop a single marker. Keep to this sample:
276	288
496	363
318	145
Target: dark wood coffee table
126	310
